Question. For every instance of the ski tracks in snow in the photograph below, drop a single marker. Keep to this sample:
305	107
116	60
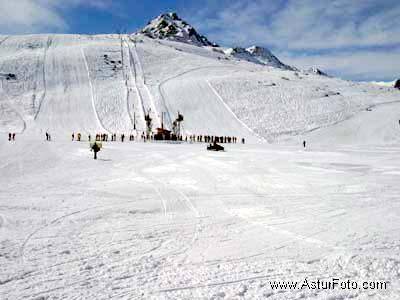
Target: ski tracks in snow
161	90
92	93
131	81
53	222
230	110
43	97
144	94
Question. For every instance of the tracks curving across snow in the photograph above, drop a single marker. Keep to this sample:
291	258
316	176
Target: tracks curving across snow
232	113
190	93
99	122
54	221
4	39
43	97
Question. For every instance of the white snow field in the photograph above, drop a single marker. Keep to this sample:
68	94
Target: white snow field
174	221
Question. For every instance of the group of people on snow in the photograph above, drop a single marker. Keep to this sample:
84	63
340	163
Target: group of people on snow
104	137
11	136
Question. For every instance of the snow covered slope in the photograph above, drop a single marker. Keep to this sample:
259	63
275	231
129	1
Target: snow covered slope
107	83
162	221
174	221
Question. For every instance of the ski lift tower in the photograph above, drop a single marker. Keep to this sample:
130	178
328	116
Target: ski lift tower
162	133
176	126
149	124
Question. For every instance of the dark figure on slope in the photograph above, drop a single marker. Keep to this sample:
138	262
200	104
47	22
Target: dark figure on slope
304	144
95	148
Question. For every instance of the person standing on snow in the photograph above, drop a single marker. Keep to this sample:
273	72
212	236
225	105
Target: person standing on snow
95	148
304	144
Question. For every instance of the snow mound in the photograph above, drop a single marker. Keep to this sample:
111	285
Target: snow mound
169	26
258	55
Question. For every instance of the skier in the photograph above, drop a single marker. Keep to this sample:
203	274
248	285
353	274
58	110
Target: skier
73	136
13	136
95	148
9	136
89	137
79	137
122	137
304	144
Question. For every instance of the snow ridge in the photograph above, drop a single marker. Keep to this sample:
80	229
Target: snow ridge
258	55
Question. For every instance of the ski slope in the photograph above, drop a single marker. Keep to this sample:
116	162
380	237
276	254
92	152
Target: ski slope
141	223
174	221
88	84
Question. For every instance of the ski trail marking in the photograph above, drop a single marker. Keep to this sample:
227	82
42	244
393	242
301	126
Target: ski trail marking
42	99
5	39
125	75
92	93
143	84
29	237
134	83
230	110
161	84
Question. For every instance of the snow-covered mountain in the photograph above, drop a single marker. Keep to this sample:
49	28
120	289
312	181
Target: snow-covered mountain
65	83
171	27
174	221
258	55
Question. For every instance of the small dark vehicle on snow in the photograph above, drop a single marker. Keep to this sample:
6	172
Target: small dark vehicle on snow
215	147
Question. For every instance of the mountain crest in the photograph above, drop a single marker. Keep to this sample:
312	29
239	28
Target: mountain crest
315	70
258	55
170	26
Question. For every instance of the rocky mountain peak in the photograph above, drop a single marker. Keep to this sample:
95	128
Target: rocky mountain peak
170	26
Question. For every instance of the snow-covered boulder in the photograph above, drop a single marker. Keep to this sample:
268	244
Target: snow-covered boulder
169	26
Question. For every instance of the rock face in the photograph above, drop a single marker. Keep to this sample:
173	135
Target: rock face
170	27
315	70
397	84
258	55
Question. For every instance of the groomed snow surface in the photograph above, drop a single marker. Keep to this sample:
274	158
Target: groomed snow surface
141	223
174	221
